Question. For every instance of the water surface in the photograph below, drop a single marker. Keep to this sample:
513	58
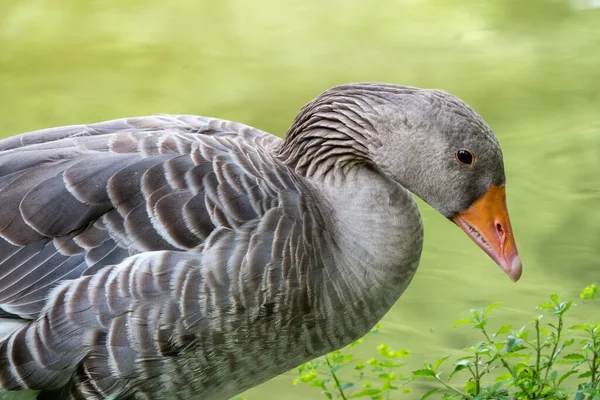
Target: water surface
530	68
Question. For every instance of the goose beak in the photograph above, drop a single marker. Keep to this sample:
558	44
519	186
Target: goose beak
487	223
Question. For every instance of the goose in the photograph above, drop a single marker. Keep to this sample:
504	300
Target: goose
185	257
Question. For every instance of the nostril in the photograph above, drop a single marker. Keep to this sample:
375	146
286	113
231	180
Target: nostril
499	229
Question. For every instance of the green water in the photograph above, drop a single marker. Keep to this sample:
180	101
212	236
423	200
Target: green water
532	69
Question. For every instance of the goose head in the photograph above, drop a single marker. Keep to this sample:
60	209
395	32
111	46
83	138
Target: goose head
428	141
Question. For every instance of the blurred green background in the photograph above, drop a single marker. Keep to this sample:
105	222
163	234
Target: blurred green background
530	68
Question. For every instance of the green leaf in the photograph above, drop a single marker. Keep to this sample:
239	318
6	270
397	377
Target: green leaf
513	344
470	387
574	356
365	393
457	368
481	324
546	306
588	346
317	383
387	352
589	292
463	322
490	308
554	298
464	360
504	377
439	362
308	376
423	372
429	393
401	353
565	376
523	333
580	327
585	375
504	329
347	385
373	361
390	364
564	307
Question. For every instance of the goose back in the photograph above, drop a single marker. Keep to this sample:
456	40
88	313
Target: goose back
77	198
178	256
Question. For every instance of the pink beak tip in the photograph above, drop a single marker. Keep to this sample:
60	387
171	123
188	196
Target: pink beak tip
516	269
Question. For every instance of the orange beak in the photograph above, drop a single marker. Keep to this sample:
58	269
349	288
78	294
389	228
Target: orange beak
487	224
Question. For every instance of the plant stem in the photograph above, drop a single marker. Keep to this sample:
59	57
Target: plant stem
552	355
502	360
454	390
387	395
538	349
335	378
538	354
555	347
477	377
594	368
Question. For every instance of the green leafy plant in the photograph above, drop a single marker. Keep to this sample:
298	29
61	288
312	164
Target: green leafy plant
545	359
537	361
323	373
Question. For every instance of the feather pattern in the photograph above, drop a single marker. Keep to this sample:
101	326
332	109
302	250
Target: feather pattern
190	257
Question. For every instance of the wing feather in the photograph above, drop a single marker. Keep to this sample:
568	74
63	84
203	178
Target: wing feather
78	198
147	248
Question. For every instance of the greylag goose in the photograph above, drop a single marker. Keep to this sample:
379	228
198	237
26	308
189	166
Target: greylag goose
188	257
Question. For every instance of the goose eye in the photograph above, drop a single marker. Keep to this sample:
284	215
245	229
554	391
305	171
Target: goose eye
464	156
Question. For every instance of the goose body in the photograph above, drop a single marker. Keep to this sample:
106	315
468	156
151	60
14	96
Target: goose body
190	257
